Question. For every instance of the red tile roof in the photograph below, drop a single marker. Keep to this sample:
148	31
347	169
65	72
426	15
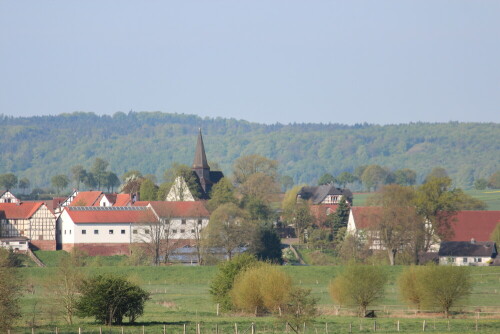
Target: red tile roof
363	214
23	210
177	208
474	224
106	215
122	200
86	198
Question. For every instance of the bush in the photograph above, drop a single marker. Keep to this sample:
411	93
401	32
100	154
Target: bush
260	289
224	279
109	298
410	285
440	287
358	285
300	308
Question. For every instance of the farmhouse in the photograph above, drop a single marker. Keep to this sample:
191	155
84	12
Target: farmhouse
477	225
467	253
324	199
103	230
361	223
7	197
110	230
32	220
181	220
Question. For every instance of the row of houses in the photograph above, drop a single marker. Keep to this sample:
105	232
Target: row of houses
468	244
98	223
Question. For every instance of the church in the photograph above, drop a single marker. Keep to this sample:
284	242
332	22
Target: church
202	176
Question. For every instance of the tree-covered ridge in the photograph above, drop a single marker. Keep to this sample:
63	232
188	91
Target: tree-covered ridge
40	147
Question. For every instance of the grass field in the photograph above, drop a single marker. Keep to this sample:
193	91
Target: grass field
490	197
180	295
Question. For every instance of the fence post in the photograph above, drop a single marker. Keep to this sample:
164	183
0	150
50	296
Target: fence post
423	327
217	309
100	330
184	330
304	330
198	329
122	329
476	325
216	329
79	330
235	328
374	325
350	327
142	329
253	328
326	327
32	330
164	329
398	325
448	325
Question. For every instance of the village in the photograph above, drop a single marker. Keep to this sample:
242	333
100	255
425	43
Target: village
104	224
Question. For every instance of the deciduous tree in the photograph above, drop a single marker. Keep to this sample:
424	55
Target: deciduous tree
251	164
10	292
397	225
359	285
8	181
222	192
326	179
60	182
228	229
109	298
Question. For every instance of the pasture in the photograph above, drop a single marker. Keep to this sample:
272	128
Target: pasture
490	196
179	295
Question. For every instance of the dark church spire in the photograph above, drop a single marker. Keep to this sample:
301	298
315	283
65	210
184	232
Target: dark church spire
200	159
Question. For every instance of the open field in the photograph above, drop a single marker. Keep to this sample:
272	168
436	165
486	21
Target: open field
490	196
180	295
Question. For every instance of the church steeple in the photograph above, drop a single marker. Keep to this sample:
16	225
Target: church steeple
200	158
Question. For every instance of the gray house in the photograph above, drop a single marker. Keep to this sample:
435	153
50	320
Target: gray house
467	253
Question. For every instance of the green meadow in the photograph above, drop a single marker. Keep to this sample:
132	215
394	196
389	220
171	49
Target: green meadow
179	295
490	196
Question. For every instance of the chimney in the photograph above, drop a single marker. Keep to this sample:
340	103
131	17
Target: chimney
473	241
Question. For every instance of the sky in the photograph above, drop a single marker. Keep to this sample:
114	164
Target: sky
382	62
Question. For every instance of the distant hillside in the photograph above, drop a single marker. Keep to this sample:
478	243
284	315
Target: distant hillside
40	147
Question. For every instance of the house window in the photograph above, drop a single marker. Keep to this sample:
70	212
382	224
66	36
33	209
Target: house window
464	260
22	242
200	222
192	231
96	231
110	231
182	231
69	231
40	237
134	231
64	232
122	231
174	231
183	222
146	231
478	259
84	231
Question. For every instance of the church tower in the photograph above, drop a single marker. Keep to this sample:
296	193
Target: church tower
200	165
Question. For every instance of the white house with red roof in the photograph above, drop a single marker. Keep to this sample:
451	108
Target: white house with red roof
103	230
183	220
8	197
31	220
110	230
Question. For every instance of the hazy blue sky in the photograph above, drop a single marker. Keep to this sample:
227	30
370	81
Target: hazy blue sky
264	61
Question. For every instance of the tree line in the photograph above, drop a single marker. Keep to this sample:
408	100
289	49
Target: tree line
153	141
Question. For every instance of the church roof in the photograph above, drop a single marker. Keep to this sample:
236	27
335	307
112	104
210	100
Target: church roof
200	158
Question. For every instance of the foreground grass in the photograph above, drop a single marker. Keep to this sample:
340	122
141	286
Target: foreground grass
179	295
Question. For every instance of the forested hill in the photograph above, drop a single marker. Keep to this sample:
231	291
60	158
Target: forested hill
40	147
